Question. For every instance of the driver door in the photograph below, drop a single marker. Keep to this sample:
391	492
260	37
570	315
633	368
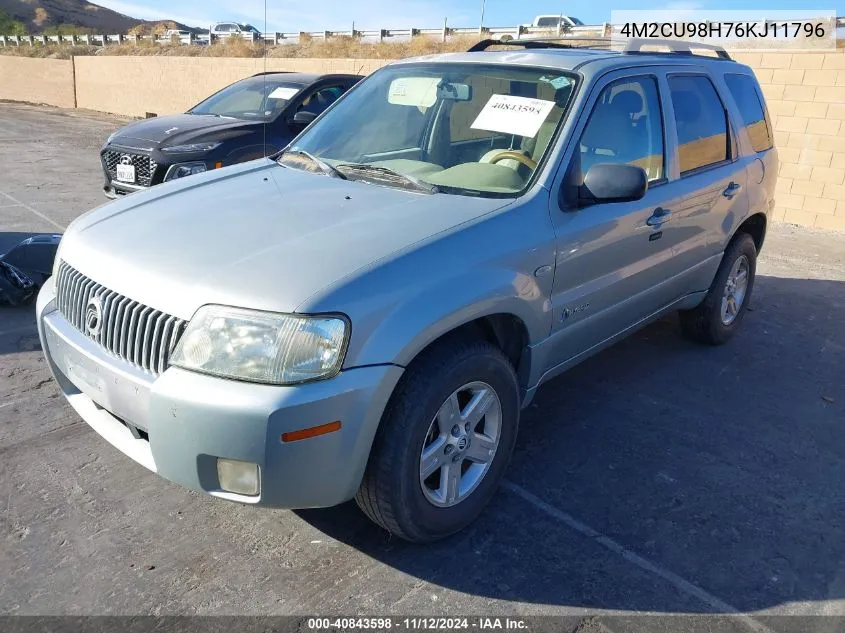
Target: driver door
611	257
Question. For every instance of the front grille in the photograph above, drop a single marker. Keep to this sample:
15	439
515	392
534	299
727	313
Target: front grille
145	166
127	329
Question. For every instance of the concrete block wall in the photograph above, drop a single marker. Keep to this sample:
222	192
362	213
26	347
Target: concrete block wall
133	86
805	93
48	81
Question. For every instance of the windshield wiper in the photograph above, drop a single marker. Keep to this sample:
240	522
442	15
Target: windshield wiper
389	175
323	166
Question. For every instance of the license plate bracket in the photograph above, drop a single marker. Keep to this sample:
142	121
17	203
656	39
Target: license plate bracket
126	173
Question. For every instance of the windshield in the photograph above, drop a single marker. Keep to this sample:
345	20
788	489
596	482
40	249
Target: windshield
253	99
467	129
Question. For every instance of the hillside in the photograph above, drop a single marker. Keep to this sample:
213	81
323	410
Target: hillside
39	15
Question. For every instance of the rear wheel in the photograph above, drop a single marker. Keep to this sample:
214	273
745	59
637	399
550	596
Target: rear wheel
444	442
720	314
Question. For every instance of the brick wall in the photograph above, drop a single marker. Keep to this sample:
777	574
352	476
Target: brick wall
47	81
806	98
134	86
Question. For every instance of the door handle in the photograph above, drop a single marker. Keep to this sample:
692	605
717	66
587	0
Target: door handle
733	189
659	217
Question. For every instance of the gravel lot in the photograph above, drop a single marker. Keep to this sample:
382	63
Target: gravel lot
658	476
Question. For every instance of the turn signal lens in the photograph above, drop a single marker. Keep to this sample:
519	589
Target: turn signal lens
314	431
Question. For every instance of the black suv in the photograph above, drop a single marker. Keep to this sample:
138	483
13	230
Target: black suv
249	119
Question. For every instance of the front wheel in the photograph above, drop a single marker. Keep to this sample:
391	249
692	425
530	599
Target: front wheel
718	317
444	442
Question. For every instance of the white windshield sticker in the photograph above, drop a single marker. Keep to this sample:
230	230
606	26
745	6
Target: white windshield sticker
282	93
513	115
413	91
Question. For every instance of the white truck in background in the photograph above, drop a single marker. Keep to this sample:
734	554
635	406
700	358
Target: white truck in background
543	25
553	22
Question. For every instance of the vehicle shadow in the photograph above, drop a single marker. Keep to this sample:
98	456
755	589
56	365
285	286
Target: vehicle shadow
724	466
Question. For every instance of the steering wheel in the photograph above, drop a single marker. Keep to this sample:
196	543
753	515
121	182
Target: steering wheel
517	156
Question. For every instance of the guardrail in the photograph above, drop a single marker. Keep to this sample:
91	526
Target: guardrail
279	38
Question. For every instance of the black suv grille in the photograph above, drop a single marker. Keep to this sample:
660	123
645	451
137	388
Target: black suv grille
144	165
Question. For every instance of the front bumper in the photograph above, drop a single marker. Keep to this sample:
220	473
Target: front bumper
116	189
179	423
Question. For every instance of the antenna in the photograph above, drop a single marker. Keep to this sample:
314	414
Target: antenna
264	87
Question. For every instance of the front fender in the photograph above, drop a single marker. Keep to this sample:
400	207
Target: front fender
397	334
501	264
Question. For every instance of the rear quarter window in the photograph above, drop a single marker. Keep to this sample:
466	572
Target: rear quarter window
743	89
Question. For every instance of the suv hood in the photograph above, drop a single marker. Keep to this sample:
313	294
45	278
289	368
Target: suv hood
178	129
256	235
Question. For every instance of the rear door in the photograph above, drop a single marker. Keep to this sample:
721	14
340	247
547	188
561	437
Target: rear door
709	177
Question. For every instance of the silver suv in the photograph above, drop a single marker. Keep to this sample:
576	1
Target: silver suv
365	314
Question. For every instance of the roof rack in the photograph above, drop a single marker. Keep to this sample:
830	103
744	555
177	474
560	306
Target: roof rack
676	47
568	43
631	47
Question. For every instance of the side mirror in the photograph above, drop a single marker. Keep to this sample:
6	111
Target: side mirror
609	182
303	118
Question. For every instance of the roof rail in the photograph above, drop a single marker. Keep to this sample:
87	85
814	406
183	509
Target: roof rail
676	47
544	42
631	46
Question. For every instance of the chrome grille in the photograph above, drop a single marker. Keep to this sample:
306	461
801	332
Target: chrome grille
144	165
129	330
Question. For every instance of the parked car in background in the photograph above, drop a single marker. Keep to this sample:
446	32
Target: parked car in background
543	25
552	22
365	315
227	29
249	119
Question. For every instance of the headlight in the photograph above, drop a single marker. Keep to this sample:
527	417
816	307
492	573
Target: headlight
191	147
280	349
181	170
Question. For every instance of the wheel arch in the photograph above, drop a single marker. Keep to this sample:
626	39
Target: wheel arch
505	330
755	225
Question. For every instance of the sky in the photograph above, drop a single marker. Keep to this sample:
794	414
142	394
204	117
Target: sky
299	15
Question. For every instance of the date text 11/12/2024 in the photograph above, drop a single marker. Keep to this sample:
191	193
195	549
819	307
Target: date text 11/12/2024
416	624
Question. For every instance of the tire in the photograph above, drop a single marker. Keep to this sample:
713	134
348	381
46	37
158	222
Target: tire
392	491
707	323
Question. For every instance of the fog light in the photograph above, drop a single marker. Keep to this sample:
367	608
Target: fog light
238	477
